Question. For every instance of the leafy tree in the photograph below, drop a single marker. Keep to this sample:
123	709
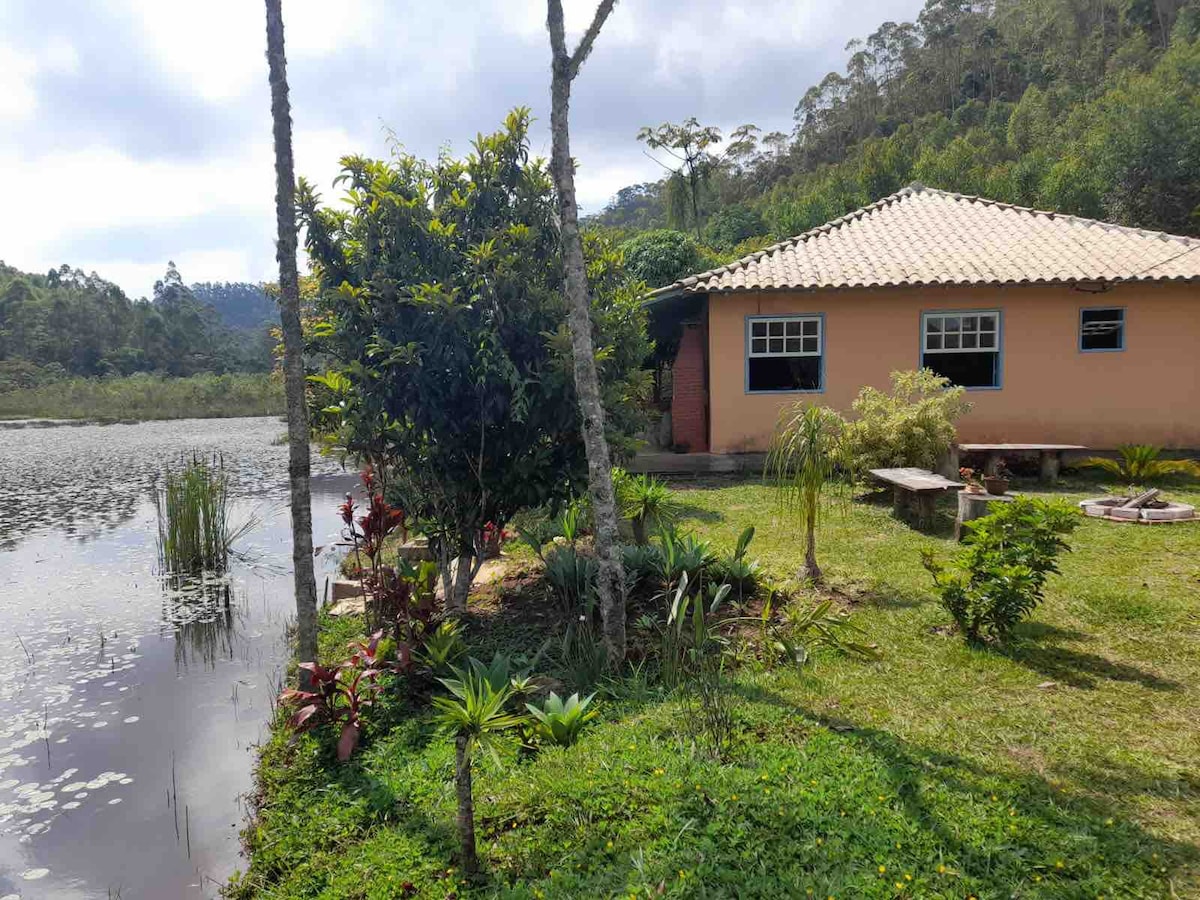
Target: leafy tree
293	340
729	226
442	313
663	256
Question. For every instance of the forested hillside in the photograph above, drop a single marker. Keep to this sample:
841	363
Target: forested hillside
1089	107
68	323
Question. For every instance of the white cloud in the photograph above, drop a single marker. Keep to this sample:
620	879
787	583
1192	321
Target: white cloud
112	156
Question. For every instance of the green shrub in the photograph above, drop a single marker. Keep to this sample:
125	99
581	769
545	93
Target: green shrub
641	562
443	647
680	553
1139	464
999	577
911	426
572	575
740	573
558	721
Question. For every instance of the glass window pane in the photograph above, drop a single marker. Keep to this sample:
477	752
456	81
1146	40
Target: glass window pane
793	345
970	323
810	345
758	329
775	329
933	325
793	327
968	341
933	342
987	323
776	345
758	345
810	326
950	323
952	342
987	341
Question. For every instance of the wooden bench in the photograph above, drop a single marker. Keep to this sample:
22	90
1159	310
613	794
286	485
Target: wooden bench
1049	454
919	485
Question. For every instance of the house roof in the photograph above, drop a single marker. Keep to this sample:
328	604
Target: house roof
923	236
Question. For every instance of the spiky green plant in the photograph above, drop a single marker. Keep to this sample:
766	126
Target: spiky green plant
476	716
1140	464
802	460
559	721
195	530
644	501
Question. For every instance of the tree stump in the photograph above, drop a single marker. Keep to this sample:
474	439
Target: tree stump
975	506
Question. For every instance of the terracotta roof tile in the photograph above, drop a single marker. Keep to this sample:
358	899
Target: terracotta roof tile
925	236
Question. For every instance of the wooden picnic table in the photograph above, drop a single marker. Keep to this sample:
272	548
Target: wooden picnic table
919	485
1050	456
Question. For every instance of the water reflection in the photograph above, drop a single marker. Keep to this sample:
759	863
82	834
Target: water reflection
118	687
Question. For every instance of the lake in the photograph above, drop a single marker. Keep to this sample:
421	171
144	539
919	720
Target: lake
130	707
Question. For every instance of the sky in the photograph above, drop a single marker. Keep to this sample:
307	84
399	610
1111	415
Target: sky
133	132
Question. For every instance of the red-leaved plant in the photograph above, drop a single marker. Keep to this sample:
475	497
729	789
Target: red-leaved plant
338	696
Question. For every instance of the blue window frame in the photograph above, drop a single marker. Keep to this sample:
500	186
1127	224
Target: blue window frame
964	345
785	354
1101	329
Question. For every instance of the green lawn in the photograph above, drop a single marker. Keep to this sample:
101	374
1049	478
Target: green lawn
1060	767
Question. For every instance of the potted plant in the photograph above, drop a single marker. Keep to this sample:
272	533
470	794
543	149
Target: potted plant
973	484
997	482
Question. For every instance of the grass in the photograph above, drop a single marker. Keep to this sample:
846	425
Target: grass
1062	766
148	397
195	533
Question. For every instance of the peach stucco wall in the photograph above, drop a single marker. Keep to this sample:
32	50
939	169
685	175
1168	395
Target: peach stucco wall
1051	392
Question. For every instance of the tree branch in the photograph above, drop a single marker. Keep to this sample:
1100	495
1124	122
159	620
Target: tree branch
589	36
554	24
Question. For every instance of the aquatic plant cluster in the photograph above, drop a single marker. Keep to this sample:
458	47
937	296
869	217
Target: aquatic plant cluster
195	529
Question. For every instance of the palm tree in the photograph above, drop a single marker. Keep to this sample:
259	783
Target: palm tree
610	583
802	459
293	339
475	715
1139	464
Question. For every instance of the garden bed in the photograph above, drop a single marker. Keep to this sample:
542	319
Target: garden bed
1057	766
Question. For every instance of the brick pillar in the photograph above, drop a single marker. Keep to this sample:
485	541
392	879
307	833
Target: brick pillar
689	392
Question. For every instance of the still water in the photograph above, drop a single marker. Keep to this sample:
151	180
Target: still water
129	706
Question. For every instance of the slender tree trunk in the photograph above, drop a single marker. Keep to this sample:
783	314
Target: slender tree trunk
611	578
293	350
466	804
811	570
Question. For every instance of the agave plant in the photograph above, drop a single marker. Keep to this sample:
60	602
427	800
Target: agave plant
443	647
559	721
476	716
1140	464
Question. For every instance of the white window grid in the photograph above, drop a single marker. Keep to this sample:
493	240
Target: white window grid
785	336
975	332
1104	326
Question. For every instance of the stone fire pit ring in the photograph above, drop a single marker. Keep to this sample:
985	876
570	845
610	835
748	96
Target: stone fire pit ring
1159	511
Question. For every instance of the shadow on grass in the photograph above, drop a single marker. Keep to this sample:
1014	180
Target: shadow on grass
913	770
1036	649
688	511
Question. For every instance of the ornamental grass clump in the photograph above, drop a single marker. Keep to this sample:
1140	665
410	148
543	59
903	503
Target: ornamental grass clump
998	578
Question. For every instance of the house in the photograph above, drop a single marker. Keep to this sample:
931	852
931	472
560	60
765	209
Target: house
1063	329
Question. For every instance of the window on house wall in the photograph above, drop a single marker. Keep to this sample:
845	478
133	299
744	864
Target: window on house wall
784	353
1102	329
963	346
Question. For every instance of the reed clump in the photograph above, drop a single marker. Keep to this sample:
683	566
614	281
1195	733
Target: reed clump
195	529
